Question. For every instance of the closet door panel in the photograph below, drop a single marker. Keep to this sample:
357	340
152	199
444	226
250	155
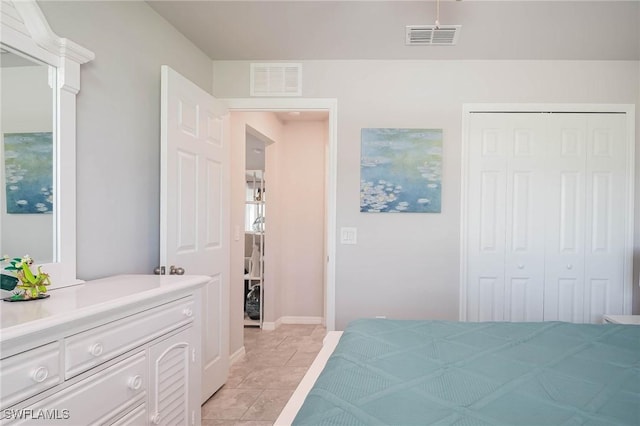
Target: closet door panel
565	217
606	189
486	219
524	236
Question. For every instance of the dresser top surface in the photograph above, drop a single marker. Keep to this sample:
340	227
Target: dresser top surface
93	297
623	319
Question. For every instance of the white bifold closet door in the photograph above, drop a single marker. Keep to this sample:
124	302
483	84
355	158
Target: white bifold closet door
546	216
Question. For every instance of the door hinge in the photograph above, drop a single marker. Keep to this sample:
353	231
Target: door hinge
193	417
193	355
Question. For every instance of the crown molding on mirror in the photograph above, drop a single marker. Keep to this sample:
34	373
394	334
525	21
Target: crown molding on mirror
25	29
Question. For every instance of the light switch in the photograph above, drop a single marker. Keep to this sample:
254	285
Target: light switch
348	235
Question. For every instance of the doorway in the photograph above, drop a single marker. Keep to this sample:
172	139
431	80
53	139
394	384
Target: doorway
254	227
275	306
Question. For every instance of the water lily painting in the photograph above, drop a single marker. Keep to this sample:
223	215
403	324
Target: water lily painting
401	170
28	162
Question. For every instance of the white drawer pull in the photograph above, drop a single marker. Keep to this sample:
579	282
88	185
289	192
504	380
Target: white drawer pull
40	374
188	312
520	266
156	419
569	266
135	382
96	349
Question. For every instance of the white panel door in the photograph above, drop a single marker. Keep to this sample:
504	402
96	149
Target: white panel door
546	216
606	191
566	210
524	203
194	218
486	218
505	246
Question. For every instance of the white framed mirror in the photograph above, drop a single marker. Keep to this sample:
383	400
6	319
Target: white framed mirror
38	132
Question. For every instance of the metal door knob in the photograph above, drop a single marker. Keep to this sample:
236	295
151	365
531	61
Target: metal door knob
176	270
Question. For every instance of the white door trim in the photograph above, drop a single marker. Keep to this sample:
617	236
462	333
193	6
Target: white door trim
299	104
627	109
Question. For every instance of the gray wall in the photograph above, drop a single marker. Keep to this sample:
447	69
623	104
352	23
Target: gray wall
407	265
118	127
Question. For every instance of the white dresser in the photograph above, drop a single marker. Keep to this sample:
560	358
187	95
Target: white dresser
621	319
124	350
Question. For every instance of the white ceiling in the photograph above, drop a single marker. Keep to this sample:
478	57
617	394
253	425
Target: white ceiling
308	30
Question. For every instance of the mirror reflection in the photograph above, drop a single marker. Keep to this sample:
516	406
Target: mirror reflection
27	157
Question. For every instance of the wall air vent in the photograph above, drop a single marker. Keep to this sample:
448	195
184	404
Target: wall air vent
276	79
430	35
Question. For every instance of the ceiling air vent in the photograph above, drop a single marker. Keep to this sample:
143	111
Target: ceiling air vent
276	79
429	35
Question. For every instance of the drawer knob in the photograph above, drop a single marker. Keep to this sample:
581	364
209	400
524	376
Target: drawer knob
188	312
96	349
135	382
520	265
569	266
156	419
40	374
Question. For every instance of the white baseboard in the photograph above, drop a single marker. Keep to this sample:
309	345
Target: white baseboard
301	320
270	326
237	355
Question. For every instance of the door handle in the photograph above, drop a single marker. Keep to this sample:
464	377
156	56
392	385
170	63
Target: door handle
176	270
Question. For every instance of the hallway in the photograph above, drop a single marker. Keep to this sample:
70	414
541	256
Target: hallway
261	383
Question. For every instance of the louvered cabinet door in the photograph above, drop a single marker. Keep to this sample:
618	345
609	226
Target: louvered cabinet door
173	394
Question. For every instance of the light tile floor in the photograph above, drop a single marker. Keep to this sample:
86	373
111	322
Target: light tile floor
261	383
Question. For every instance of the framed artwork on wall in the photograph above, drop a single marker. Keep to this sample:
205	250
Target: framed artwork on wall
401	170
28	172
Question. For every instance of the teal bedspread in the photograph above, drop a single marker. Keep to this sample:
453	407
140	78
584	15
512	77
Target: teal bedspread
454	373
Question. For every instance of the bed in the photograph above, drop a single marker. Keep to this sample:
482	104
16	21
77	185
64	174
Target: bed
455	373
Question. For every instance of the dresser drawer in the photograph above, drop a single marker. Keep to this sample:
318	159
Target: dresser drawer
95	399
28	373
93	347
136	417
